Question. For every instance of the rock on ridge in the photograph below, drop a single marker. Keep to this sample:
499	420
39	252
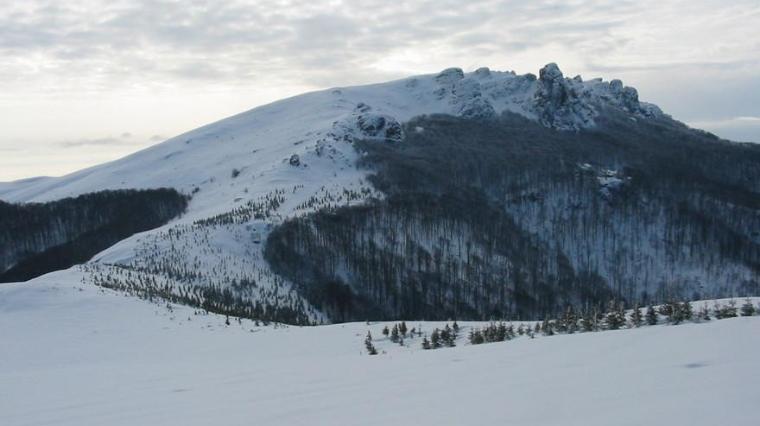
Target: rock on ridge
558	102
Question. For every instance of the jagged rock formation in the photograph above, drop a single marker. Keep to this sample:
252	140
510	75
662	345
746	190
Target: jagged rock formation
558	101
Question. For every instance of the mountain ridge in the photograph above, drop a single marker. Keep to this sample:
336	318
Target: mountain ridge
252	173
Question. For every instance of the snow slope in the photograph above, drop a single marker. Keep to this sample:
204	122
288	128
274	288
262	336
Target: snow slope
298	152
77	355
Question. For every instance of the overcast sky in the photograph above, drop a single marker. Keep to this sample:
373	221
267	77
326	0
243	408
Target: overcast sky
82	82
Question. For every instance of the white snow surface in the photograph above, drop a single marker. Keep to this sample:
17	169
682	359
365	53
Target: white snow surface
78	355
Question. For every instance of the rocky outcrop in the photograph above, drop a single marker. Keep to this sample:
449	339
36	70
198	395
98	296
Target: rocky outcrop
558	102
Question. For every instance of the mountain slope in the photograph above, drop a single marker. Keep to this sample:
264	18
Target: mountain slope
507	219
547	144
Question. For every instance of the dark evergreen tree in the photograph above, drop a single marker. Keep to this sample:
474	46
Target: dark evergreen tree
651	315
394	334
547	328
368	344
426	343
588	321
476	337
718	310
636	317
615	317
570	320
402	328
687	311
729	311
748	309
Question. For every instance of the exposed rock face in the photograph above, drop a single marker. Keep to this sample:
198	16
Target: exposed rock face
365	123
630	99
295	160
558	102
551	99
377	126
449	76
483	72
371	124
468	95
477	108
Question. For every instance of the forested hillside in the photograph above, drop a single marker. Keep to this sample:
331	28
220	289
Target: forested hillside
37	238
505	218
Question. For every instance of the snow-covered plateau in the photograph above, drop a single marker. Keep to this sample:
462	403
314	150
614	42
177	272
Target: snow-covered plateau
78	355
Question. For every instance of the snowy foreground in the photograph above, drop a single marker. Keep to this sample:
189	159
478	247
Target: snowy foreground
85	356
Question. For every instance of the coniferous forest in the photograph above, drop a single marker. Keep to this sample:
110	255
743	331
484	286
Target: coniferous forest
37	238
505	218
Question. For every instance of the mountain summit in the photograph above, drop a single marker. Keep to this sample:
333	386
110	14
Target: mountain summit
469	195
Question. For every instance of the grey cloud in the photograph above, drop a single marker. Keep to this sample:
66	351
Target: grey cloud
224	41
100	45
124	139
742	129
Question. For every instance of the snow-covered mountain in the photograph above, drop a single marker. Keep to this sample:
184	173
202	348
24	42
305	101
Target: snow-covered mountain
288	162
259	142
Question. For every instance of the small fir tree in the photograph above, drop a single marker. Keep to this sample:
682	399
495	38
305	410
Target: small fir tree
615	317
426	343
402	328
687	311
394	334
368	344
748	309
476	337
587	322
651	315
729	311
636	317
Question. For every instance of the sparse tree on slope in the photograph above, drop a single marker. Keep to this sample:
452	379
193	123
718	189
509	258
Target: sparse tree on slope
368	344
402	328
394	334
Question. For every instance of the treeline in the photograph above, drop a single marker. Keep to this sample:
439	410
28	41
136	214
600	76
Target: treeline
614	318
211	298
37	238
